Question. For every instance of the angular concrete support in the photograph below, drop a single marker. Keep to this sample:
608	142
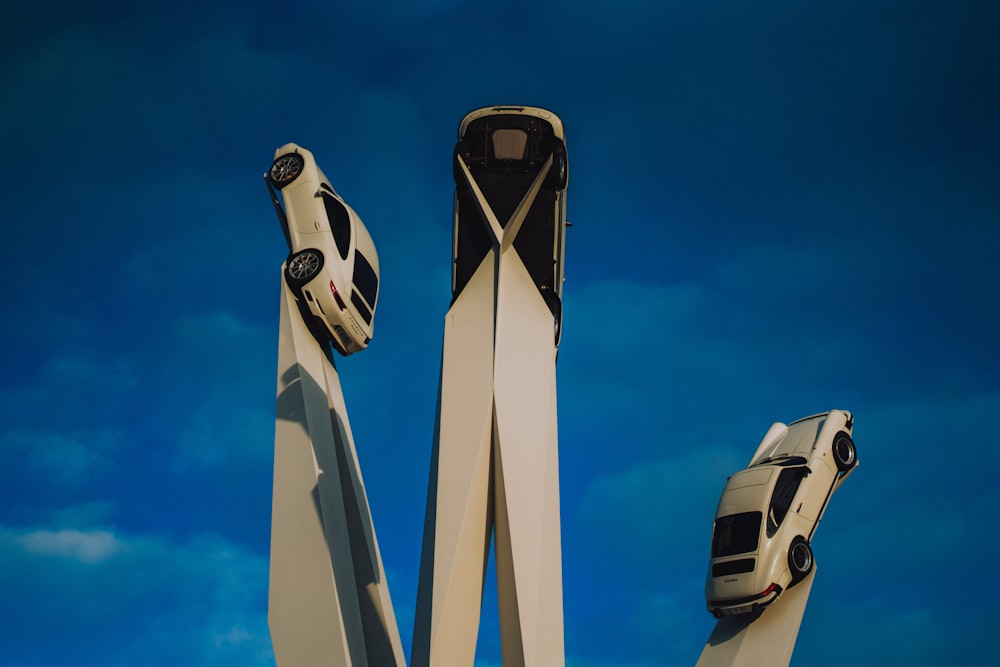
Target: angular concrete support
527	527
328	598
494	467
738	641
459	506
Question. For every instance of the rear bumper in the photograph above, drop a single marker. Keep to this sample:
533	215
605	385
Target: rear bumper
747	605
344	333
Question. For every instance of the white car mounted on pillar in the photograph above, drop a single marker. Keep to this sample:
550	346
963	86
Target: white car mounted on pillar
332	268
500	153
769	512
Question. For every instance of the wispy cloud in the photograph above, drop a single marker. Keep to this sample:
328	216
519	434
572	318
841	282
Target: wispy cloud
197	602
55	459
85	547
778	210
223	358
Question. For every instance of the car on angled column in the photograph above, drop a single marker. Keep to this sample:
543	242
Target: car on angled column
768	512
510	165
332	267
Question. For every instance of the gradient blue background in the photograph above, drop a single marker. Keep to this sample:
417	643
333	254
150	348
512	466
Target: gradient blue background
779	208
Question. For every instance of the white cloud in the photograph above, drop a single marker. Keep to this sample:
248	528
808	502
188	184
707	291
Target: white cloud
86	547
121	599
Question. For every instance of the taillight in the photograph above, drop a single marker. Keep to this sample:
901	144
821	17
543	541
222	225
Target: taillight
769	590
336	296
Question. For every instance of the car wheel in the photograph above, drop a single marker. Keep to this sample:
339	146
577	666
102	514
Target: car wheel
557	176
800	559
301	267
285	169
555	305
844	453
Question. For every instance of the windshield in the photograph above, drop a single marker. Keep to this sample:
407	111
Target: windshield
736	534
340	224
784	493
365	279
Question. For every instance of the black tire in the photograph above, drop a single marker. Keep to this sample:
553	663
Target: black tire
302	266
558	173
800	559
285	169
845	455
555	305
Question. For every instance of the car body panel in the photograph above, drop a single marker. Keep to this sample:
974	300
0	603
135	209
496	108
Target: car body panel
317	218
785	489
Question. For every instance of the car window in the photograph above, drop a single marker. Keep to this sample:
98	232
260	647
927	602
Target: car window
784	492
365	279
340	224
736	534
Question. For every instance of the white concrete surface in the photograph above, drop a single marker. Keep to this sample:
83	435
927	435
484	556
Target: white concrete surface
767	641
328	601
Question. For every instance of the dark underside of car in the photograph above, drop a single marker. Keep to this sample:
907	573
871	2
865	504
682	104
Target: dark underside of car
505	153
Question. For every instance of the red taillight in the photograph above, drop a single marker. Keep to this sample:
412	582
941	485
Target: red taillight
336	296
769	590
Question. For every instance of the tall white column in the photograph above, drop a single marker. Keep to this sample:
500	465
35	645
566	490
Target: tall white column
328	600
495	464
527	526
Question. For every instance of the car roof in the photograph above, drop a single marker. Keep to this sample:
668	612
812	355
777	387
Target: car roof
747	491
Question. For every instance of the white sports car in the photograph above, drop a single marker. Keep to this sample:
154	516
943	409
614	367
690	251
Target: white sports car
332	268
510	165
768	512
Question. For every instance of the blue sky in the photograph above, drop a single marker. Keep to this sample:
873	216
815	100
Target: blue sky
779	208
